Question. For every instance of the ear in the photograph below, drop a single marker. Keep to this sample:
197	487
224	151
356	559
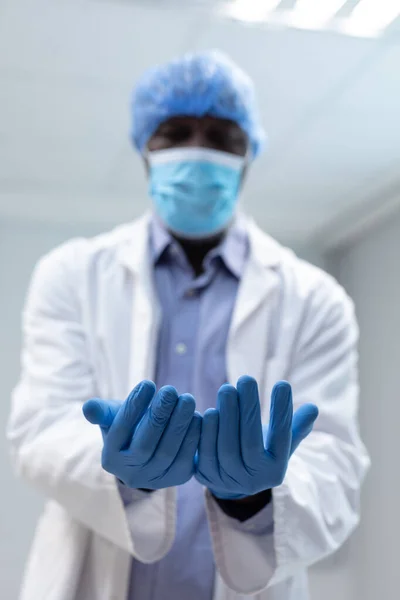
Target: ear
146	164
244	174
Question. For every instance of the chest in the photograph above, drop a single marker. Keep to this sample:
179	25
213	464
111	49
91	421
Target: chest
125	325
192	336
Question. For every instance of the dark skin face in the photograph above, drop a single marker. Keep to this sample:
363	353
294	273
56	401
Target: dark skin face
199	132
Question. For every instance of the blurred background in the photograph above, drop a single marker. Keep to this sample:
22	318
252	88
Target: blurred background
328	79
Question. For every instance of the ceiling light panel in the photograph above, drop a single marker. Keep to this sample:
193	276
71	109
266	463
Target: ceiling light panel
366	18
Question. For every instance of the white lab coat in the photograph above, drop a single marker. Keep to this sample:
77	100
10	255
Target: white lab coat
90	327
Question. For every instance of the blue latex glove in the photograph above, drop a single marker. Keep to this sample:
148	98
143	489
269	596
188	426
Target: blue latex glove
233	461
149	440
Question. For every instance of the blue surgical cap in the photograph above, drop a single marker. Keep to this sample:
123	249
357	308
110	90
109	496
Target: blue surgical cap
195	85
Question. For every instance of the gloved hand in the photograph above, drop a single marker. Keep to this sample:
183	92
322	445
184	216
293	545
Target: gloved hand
149	441
233	462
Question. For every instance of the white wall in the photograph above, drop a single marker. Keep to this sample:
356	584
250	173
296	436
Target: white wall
370	271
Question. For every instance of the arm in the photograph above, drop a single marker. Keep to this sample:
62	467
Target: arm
53	446
316	507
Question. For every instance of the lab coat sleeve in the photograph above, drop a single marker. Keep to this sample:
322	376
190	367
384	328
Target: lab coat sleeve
52	445
317	506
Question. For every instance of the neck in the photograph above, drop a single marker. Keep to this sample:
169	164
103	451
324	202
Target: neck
196	250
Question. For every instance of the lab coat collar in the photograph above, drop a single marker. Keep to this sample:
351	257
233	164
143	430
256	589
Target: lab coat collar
134	252
263	248
259	284
233	249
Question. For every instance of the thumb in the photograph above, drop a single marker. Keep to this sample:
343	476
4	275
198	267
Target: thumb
101	412
303	421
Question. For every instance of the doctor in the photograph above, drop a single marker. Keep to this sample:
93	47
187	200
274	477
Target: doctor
193	487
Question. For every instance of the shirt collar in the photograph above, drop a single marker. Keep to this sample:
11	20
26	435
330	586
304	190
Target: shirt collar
233	250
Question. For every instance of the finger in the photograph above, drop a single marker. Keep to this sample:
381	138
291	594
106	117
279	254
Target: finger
250	427
153	424
184	461
207	461
175	431
228	433
101	412
121	431
279	436
303	421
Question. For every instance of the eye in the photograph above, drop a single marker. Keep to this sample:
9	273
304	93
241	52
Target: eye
227	139
217	137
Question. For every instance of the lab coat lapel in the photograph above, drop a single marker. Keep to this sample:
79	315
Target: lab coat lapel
258	294
145	309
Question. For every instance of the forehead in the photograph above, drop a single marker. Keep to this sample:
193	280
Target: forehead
198	122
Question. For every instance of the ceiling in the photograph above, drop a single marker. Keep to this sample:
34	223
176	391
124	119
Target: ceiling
330	104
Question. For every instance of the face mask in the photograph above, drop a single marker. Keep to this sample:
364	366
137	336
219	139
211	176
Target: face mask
195	190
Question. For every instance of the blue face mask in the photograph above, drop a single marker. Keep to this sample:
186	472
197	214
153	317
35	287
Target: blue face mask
195	190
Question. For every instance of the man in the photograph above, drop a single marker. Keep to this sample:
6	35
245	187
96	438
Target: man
169	501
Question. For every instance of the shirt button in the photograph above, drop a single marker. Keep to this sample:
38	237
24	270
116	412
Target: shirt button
181	348
190	293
